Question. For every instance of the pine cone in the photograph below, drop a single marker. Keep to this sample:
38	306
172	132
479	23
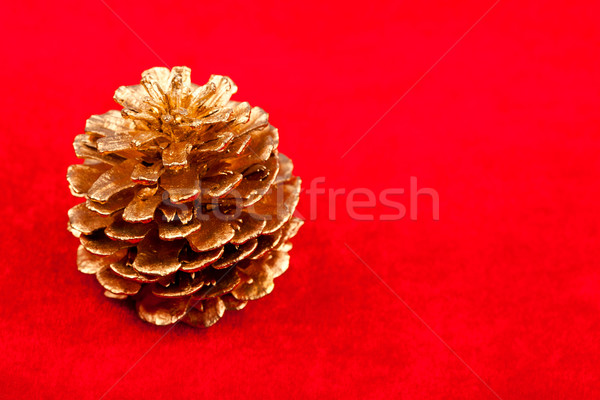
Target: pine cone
188	204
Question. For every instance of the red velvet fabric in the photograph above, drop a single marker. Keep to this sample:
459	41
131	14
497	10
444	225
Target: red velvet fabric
504	128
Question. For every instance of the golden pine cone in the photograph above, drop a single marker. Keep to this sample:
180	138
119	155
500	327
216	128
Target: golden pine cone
188	204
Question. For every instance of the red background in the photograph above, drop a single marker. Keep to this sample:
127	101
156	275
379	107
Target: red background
504	127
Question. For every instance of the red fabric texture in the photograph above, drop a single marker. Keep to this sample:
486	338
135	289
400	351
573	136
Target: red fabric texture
504	127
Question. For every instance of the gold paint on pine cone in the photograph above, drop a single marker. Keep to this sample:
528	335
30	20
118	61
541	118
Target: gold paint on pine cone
188	203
